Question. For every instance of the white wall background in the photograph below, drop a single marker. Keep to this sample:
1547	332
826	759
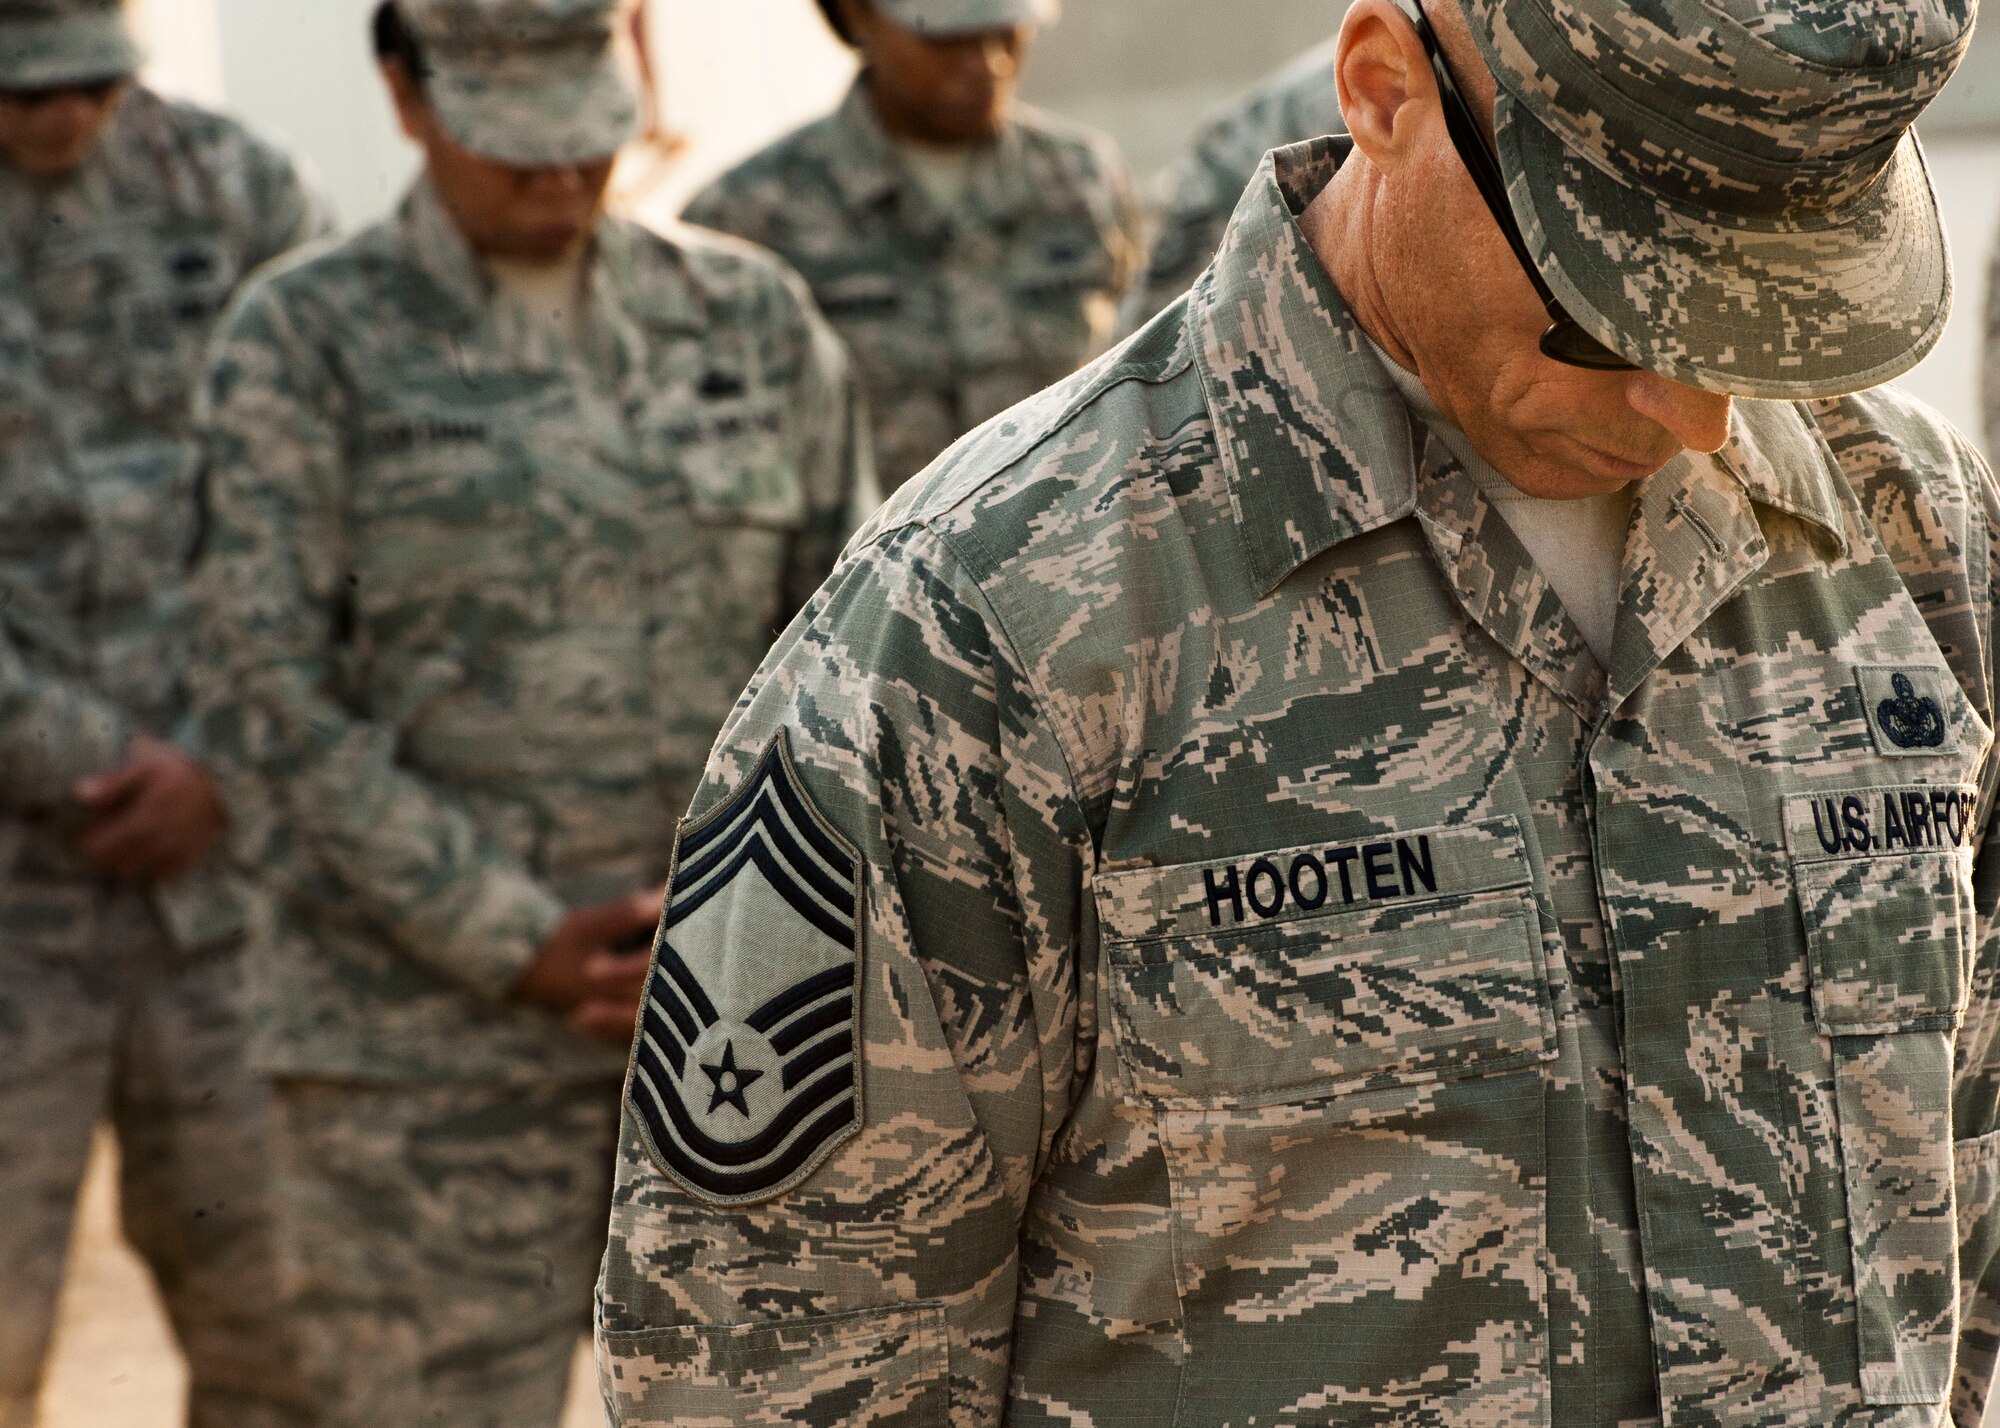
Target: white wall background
736	73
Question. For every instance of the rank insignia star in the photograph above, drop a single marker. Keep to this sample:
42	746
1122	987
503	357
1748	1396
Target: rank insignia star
744	1074
731	1081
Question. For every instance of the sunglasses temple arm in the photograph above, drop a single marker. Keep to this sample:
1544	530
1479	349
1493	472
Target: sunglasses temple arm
1478	160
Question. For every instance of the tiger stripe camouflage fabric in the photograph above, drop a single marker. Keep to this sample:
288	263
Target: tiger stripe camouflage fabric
1300	985
956	310
476	599
122	1003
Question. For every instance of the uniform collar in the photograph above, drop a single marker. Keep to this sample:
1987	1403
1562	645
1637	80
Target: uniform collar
616	289
867	169
1313	437
433	244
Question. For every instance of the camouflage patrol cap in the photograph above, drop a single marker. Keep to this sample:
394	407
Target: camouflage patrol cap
528	82
46	43
1728	192
961	17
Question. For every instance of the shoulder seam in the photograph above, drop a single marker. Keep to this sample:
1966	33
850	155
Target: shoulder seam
1063	732
1151	374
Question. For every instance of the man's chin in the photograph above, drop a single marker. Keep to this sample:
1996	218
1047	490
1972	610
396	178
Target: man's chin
546	245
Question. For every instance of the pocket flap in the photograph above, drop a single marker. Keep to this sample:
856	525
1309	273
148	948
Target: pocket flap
1437	974
1884	887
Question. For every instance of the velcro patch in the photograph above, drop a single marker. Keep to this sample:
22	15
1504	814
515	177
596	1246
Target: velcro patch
1881	822
1193	899
744	1074
1908	710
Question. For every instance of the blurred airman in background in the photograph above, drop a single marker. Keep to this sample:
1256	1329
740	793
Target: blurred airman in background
1201	190
970	250
126	222
507	499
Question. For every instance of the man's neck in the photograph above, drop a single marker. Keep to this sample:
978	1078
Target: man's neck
908	131
1342	226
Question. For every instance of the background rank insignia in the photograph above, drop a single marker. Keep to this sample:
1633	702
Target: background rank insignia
743	1075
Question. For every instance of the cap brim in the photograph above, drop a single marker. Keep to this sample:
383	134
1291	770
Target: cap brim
44	54
945	18
553	120
1756	309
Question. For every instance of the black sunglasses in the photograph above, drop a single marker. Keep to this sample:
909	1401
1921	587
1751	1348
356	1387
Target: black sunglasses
94	90
1564	341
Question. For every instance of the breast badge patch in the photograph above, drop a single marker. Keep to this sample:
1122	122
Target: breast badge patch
744	1074
1907	710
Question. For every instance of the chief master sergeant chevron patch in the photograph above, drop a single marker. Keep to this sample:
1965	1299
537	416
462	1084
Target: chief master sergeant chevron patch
743	1073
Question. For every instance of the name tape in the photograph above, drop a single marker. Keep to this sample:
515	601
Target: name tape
1189	899
1871	822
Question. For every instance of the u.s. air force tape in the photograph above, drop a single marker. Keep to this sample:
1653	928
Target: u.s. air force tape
744	1074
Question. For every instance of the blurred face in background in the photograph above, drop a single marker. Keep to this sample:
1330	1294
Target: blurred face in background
950	90
49	134
539	214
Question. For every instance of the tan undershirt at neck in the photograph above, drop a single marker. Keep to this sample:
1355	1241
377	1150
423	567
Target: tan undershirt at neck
943	173
550	293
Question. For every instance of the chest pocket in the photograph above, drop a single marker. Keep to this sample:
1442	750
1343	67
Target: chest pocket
859	297
1063	290
1339	1050
1318	972
129	316
1883	877
721	436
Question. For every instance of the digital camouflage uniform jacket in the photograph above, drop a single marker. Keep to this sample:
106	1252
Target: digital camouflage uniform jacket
1297	984
110	284
475	602
952	317
1199	193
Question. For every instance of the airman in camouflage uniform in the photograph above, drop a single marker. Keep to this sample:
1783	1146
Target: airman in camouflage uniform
957	298
126	220
1188	929
482	578
1199	192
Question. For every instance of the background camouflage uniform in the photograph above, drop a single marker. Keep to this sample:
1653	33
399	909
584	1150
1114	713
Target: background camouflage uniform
475	601
1299	102
1989	385
111	1000
952	317
1300	985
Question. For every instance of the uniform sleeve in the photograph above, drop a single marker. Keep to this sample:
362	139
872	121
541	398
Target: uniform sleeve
320	802
286	209
836	458
721	207
882	1286
1193	217
54	729
1976	1090
1131	225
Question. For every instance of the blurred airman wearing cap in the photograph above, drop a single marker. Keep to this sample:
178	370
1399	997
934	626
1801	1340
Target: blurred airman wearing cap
1197	195
506	499
127	221
1391	852
969	249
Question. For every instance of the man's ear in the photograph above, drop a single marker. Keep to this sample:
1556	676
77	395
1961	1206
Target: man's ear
1384	78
